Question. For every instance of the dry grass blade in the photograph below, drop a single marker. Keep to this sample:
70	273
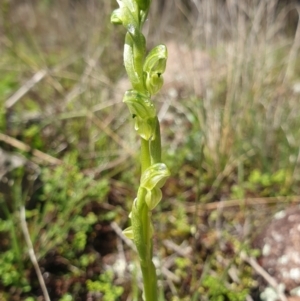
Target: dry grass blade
81	86
180	250
31	253
294	50
243	202
111	134
40	157
37	77
264	274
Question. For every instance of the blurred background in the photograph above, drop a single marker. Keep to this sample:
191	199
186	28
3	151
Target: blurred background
69	171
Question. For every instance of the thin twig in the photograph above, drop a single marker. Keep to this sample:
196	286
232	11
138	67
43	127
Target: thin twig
111	133
244	202
230	166
261	271
106	166
12	100
26	148
90	66
294	50
180	250
32	253
170	275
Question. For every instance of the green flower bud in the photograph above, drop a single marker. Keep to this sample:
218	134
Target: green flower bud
116	17
156	59
154	67
155	176
145	128
127	14
139	104
152	180
143	111
153	197
128	232
154	82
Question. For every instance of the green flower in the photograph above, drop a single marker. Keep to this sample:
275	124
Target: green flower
154	67
139	105
128	232
127	15
143	111
152	180
145	128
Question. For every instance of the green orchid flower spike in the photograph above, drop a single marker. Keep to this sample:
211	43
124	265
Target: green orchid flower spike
145	74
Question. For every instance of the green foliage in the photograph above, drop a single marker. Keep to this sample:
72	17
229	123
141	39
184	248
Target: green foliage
63	196
87	259
13	263
266	184
12	271
218	291
105	286
180	222
182	264
66	297
57	214
32	136
8	82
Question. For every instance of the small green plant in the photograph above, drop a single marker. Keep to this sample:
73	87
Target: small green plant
12	263
12	272
105	287
145	74
66	297
266	184
55	214
61	204
218	291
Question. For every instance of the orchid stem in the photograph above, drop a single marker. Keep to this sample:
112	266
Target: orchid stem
145	74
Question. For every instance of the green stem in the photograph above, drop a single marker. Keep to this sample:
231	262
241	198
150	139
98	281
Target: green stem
155	145
145	155
144	73
151	150
150	282
141	224
148	151
150	154
153	154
